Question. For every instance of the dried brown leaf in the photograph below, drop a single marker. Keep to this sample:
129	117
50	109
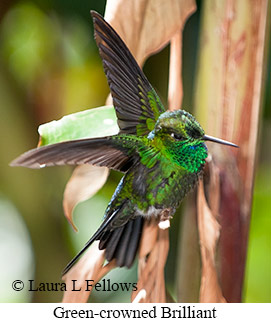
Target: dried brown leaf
151	24
210	291
214	189
149	237
151	265
188	281
89	267
85	181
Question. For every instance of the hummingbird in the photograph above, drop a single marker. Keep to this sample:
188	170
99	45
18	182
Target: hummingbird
161	153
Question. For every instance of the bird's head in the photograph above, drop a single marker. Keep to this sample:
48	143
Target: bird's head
183	139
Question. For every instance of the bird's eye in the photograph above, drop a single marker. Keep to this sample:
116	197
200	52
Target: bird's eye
176	136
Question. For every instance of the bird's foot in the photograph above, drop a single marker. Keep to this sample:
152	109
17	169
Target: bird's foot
166	214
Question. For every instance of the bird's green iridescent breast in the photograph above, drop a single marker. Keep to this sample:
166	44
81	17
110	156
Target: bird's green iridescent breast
171	170
162	186
163	173
190	156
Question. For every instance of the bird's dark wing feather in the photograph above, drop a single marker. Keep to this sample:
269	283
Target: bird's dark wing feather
136	102
96	151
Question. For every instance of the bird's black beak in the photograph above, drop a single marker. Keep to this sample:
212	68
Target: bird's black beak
219	141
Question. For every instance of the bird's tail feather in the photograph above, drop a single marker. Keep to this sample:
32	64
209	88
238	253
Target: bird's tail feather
96	236
122	243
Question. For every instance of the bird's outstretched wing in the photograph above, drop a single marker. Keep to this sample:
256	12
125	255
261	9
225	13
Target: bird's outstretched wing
96	151
137	107
136	102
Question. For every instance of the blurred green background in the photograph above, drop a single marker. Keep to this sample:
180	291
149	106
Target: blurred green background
50	67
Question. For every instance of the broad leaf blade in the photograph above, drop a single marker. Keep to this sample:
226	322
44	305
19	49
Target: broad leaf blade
98	122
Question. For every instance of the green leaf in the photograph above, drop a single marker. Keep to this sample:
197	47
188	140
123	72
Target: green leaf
98	122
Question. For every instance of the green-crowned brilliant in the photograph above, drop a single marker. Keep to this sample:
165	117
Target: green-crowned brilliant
161	153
